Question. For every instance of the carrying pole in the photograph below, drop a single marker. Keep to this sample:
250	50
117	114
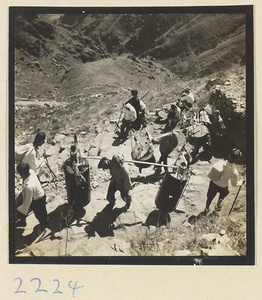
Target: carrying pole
167	133
51	171
120	116
134	162
145	94
49	168
236	197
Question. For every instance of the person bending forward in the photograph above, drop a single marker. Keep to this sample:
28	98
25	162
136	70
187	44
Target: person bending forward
32	197
120	180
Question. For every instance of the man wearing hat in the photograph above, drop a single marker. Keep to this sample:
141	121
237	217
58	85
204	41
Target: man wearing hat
220	174
32	157
139	106
120	180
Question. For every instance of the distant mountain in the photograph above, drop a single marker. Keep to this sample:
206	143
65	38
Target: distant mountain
215	40
188	45
167	37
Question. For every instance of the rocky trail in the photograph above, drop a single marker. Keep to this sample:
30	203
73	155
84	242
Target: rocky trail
101	232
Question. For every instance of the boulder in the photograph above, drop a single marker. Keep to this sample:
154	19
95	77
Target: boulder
220	250
222	232
212	82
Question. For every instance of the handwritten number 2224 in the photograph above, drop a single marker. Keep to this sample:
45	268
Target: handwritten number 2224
74	288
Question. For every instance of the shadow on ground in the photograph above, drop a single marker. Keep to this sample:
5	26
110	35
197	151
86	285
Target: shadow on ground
23	241
118	141
63	216
102	223
202	156
158	218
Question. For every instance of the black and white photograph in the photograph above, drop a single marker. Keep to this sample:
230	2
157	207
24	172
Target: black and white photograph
131	135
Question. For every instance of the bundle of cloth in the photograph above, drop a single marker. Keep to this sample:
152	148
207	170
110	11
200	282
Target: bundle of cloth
142	148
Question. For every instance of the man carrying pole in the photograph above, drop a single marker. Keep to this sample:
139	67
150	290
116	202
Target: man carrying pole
132	161
220	174
167	143
129	117
120	180
77	178
139	106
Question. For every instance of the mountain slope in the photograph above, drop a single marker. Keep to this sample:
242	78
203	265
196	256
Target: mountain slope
169	36
189	45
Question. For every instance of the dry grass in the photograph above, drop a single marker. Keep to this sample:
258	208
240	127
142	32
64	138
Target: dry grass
164	241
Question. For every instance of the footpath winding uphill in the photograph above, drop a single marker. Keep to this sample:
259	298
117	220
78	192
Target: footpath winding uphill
101	232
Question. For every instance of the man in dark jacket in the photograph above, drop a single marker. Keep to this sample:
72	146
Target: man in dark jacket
120	180
140	110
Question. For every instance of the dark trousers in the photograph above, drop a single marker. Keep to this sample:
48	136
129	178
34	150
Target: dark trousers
111	193
204	141
139	121
171	123
213	189
38	207
125	128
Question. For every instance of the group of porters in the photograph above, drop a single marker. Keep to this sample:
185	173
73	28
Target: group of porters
77	178
77	172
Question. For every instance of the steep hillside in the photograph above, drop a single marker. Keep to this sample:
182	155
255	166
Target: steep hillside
189	46
170	38
204	45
